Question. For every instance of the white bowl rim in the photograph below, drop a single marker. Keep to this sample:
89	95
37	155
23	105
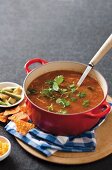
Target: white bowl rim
6	154
9	84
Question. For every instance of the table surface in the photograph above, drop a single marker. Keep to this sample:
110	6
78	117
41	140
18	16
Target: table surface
53	30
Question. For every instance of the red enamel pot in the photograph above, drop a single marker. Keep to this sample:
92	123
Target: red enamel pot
69	124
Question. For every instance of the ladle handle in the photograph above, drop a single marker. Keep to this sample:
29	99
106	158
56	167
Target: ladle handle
102	51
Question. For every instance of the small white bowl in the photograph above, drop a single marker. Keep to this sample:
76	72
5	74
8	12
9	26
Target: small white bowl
11	84
6	154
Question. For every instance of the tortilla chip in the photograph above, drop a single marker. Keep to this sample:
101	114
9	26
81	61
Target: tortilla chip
23	108
3	118
23	127
19	116
11	111
1	113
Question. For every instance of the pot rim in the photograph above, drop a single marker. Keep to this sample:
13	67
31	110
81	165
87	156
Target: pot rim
65	61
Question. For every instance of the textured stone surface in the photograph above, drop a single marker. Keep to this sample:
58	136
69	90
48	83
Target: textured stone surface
53	30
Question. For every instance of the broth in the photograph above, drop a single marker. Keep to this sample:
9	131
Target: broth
56	91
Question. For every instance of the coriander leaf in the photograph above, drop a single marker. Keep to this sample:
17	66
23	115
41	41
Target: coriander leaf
50	82
72	88
81	94
67	103
31	91
63	102
59	79
47	92
73	99
55	86
59	100
86	103
62	111
62	91
72	85
50	108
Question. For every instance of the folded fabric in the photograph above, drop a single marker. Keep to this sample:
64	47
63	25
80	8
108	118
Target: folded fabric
49	144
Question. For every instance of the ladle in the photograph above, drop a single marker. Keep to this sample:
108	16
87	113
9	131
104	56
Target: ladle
98	56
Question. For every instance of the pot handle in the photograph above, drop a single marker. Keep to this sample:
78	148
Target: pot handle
102	111
32	61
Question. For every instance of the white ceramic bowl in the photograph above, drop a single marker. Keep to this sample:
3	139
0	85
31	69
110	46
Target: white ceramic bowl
11	84
4	139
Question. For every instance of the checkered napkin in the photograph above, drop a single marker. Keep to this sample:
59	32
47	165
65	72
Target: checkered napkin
49	144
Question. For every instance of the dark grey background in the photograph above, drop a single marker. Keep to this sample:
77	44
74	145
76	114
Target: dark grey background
52	30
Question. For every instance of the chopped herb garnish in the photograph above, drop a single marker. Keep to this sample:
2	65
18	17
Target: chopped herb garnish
73	99
62	111
81	94
55	86
50	82
50	108
59	79
61	95
86	103
72	85
63	102
47	92
31	91
62	91
72	88
56	82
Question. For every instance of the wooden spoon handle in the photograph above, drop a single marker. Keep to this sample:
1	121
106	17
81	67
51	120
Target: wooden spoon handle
102	51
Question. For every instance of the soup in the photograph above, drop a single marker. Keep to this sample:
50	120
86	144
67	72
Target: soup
56	92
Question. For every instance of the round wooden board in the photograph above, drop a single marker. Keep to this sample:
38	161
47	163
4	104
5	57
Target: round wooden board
103	148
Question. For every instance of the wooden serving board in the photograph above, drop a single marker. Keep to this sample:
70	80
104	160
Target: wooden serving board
103	148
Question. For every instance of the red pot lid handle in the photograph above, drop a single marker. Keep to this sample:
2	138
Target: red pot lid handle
33	61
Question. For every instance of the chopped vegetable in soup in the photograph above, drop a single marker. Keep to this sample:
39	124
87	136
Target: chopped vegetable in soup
56	92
